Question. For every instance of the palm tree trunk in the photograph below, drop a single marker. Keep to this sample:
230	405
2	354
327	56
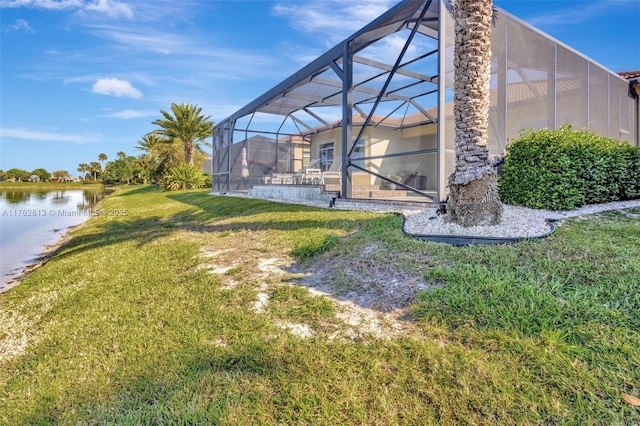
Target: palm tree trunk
188	152
473	188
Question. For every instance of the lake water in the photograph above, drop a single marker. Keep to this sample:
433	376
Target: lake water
30	220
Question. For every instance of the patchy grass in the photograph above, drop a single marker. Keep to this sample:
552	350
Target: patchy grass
190	310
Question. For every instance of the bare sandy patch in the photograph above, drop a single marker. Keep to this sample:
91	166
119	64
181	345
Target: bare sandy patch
299	330
372	297
273	265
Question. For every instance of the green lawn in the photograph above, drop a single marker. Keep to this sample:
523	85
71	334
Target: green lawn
188	309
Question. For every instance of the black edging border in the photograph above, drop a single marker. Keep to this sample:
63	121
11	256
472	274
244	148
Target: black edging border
466	240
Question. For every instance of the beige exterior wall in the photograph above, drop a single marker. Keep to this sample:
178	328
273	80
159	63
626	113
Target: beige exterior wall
385	141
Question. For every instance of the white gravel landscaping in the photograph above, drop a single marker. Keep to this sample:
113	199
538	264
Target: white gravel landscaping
517	222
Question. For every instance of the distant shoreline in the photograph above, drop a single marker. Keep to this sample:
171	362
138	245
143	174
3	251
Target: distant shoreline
47	185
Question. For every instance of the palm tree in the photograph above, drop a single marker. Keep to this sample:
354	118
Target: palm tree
102	157
146	166
83	168
95	168
121	155
150	141
187	127
473	187
161	153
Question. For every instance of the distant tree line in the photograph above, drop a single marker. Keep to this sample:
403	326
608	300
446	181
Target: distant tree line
37	175
171	156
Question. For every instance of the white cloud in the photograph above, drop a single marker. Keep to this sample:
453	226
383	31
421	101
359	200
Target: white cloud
222	63
321	16
389	48
130	113
44	136
143	38
111	8
42	4
116	87
20	24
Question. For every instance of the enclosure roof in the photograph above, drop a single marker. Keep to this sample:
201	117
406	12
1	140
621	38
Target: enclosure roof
306	96
319	83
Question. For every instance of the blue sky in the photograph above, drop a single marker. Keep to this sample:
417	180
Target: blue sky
84	77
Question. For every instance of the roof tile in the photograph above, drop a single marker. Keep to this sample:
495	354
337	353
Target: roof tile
629	75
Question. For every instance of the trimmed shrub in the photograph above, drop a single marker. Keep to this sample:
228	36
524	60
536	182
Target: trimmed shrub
184	176
566	168
208	181
630	184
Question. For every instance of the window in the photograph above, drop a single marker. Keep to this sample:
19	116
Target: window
326	156
358	152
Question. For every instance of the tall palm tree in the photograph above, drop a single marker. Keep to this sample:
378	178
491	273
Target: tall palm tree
187	127
102	157
473	187
95	168
121	155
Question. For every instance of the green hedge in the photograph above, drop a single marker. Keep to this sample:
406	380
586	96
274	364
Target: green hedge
566	168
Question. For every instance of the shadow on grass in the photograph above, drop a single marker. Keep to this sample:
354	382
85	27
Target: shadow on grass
146	189
204	218
145	231
201	388
280	381
217	206
142	231
382	288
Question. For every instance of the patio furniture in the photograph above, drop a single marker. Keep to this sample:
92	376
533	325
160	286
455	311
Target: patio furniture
282	179
334	174
312	177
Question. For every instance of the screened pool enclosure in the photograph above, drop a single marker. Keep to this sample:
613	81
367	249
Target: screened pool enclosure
372	118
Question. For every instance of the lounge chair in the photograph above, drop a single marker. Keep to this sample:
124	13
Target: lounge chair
313	164
334	174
